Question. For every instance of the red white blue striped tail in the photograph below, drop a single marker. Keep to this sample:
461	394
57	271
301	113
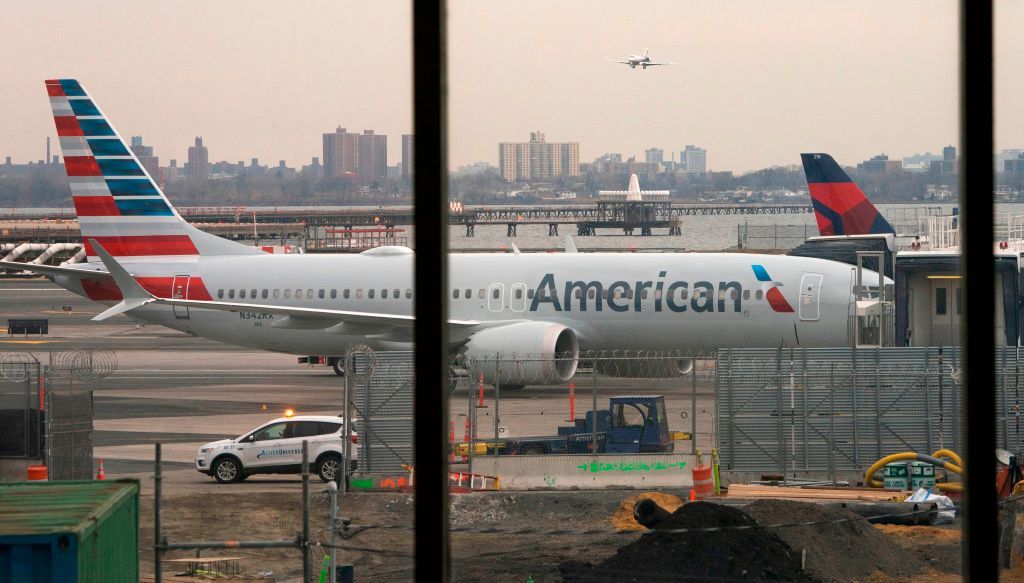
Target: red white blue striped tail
117	202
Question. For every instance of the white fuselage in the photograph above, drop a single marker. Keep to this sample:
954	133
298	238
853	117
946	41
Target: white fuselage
625	301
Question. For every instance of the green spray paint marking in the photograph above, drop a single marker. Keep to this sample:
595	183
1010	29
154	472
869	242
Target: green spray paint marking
362	484
597	467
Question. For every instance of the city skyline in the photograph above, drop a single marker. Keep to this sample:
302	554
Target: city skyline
756	85
692	159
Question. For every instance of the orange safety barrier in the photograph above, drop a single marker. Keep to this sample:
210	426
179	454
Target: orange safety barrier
703	482
572	402
37	472
451	442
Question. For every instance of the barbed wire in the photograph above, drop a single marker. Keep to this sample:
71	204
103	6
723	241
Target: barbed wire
16	367
360	362
85	366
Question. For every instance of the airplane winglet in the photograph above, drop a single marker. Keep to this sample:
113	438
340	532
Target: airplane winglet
133	295
570	245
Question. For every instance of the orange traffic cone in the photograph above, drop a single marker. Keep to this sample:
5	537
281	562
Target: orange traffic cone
100	474
693	492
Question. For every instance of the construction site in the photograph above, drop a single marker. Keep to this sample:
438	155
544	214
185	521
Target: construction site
754	464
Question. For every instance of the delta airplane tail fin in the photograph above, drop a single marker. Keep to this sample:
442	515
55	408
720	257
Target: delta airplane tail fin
118	203
840	206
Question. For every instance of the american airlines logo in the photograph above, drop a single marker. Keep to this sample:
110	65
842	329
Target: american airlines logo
672	296
771	290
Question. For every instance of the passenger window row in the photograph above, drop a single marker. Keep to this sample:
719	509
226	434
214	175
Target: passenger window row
309	294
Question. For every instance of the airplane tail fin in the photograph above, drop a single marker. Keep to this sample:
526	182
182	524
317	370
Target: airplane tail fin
117	201
840	206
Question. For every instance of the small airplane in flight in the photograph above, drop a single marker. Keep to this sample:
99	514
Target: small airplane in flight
643	61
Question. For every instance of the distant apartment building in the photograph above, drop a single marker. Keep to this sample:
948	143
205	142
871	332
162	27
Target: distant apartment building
538	159
948	164
919	162
171	173
341	153
314	169
373	157
145	155
198	161
282	170
1004	155
654	156
693	160
363	156
1013	168
606	163
880	164
408	155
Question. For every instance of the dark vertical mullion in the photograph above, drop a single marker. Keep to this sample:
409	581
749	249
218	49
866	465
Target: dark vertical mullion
980	553
430	186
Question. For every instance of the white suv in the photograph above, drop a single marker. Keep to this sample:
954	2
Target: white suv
276	448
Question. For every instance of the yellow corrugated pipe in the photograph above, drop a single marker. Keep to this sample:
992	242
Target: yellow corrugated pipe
950	454
956	466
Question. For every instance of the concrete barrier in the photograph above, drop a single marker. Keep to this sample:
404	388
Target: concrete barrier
567	472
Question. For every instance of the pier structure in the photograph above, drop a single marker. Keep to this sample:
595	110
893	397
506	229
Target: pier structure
619	216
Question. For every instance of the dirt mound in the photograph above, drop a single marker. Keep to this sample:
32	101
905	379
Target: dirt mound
935	546
844	551
754	554
913	534
623	517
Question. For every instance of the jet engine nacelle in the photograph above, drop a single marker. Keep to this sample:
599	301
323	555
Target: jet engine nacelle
654	367
525	353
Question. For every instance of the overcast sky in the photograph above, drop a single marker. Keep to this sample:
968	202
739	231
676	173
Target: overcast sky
757	82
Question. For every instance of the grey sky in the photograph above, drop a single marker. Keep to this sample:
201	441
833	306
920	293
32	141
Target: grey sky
758	82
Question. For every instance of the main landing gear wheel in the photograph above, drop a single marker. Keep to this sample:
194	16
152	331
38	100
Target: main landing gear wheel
339	367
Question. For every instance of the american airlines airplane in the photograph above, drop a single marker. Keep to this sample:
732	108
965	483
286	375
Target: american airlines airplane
146	261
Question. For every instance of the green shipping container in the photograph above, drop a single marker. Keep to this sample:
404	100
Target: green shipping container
74	532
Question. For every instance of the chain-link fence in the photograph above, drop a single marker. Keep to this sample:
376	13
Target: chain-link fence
46	409
20	407
69	410
775	236
609	402
380	390
836	409
69	443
